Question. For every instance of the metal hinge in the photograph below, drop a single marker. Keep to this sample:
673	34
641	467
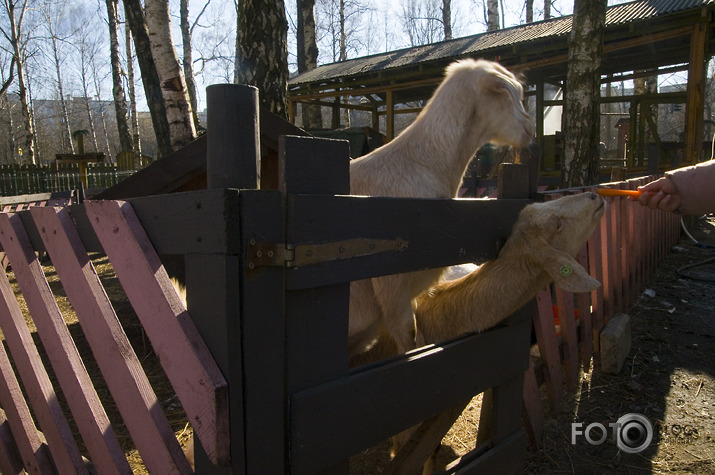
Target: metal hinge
260	254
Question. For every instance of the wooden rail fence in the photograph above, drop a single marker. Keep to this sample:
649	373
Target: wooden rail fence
259	358
53	177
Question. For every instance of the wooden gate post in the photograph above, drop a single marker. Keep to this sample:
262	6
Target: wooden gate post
213	280
233	151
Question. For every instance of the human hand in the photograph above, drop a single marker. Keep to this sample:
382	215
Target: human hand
660	194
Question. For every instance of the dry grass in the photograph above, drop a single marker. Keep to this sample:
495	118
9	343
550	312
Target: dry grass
141	345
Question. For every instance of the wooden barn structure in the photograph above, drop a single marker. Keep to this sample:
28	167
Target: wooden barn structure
643	38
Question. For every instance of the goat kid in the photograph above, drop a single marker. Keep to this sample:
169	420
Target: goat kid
478	102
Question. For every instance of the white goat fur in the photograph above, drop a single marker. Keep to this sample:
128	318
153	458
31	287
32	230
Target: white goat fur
477	103
541	249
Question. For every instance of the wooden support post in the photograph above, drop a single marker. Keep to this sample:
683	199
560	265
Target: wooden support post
214	282
513	181
233	135
390	115
540	113
696	96
314	316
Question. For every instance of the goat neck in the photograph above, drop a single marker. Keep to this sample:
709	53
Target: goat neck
479	300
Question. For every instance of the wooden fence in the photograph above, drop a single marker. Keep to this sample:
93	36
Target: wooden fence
259	359
53	177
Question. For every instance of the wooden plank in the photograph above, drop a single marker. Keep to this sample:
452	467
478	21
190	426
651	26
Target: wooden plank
233	158
461	236
40	392
214	302
543	323
188	364
316	318
110	346
583	307
10	460
569	337
595	267
34	459
263	333
532	408
506	457
425	440
87	409
336	420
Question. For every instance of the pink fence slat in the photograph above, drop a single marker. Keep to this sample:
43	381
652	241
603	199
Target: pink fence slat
37	383
533	412
10	461
193	373
595	267
123	373
583	307
569	336
549	349
89	415
24	432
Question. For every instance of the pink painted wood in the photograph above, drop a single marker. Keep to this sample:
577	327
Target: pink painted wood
25	435
583	306
10	461
132	392
41	394
548	348
533	412
569	337
187	361
92	421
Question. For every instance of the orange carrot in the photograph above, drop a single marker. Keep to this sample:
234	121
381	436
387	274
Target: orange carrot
614	192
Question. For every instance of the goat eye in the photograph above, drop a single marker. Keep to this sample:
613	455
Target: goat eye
559	224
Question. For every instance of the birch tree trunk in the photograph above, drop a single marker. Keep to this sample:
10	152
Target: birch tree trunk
50	16
492	15
131	84
447	18
188	61
307	57
583	88
18	51
262	51
120	103
150	77
173	85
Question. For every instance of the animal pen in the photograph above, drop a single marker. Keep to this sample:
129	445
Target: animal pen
259	361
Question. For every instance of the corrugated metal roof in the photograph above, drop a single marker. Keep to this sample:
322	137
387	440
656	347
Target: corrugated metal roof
476	44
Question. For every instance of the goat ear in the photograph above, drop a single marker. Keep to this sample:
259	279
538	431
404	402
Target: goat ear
568	274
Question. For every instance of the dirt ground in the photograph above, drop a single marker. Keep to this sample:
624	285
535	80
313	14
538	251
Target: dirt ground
668	377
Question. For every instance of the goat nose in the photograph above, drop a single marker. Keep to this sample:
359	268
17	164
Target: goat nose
592	195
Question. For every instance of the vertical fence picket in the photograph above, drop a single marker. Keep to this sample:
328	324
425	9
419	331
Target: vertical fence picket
548	348
174	337
35	379
25	436
112	350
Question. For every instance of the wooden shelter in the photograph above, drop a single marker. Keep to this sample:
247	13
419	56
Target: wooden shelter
643	38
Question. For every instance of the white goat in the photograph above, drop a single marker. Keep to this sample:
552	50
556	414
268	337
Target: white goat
540	249
478	102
